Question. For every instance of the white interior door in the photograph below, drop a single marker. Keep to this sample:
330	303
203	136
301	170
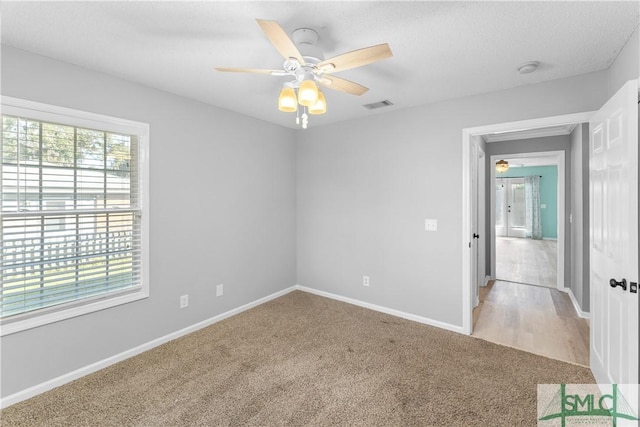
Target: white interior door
613	187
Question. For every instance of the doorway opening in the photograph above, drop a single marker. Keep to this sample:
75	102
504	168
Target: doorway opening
528	203
470	135
526	250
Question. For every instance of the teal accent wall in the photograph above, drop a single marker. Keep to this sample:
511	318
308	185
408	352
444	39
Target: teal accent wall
548	195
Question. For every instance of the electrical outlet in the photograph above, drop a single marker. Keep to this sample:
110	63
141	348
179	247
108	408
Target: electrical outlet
543	206
184	301
431	225
365	280
219	290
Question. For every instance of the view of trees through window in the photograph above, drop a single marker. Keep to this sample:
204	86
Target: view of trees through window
70	228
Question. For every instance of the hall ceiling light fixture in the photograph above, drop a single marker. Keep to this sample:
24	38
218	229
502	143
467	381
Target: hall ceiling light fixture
305	64
502	166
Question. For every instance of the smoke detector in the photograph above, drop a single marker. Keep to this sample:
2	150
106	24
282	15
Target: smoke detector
528	67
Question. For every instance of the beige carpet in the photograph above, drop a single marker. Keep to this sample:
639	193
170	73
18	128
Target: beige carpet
307	360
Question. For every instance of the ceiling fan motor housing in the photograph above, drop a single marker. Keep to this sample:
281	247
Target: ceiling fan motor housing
306	40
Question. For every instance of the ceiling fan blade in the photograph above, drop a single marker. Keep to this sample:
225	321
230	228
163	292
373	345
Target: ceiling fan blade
253	70
280	40
356	58
343	85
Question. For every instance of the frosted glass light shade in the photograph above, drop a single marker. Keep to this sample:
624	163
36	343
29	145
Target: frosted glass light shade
320	107
308	93
502	166
287	101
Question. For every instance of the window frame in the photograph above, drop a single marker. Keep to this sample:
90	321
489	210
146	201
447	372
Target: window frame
77	118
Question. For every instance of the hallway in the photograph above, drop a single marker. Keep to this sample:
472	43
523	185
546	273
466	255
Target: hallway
533	262
532	318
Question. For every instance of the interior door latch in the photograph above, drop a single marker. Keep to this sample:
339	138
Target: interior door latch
613	283
633	287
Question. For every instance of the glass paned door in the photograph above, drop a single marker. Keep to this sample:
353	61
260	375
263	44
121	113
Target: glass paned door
516	208
510	207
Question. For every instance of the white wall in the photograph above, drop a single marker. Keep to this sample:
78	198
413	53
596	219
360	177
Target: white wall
365	187
222	200
626	66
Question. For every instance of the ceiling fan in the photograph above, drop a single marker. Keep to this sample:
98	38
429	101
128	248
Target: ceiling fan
303	61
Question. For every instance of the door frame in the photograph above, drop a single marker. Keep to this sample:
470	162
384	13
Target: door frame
467	133
478	219
560	211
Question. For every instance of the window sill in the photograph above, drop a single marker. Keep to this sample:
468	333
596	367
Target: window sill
12	326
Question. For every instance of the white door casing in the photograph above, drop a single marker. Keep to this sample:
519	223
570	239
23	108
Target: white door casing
475	223
468	135
481	209
500	208
613	188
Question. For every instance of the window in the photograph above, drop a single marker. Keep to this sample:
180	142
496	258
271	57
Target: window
73	213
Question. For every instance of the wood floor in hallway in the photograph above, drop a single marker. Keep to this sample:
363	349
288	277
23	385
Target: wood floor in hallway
529	261
536	319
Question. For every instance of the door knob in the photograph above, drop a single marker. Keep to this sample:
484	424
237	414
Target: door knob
623	284
476	236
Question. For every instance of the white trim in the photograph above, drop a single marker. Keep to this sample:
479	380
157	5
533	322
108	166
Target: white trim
57	114
560	213
550	238
486	280
576	306
78	118
381	309
89	369
85	306
86	370
467	284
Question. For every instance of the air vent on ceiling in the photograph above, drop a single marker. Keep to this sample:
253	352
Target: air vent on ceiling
380	104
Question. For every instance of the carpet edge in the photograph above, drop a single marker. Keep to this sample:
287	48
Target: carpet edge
386	310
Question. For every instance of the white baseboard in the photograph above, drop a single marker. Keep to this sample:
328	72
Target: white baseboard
86	370
555	239
391	311
487	279
89	369
576	306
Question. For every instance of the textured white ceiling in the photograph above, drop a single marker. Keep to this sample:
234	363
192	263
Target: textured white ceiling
442	50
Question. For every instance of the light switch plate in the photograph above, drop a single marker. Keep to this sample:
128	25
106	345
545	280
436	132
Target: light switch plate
431	225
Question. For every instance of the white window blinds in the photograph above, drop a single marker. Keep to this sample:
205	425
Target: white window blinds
70	215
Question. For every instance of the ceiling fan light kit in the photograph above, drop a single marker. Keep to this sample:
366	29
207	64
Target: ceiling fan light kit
308	92
287	101
305	62
320	107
